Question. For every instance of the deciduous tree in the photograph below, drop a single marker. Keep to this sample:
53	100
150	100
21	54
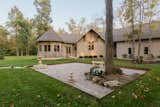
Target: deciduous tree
42	20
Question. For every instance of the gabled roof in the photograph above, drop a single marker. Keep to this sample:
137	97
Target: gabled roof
118	35
51	36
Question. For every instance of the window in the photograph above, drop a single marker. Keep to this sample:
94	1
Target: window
145	50
68	49
47	48
75	48
40	48
91	46
129	51
56	48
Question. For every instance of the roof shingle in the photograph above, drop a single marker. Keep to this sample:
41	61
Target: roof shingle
118	35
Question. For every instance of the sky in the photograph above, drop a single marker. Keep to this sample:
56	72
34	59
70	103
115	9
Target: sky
62	10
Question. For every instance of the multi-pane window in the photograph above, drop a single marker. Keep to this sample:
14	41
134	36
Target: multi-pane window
129	51
68	49
56	48
47	48
91	46
145	50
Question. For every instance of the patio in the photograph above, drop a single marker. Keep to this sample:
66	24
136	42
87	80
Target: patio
75	71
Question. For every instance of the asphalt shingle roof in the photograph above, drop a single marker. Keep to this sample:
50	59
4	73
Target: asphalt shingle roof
118	35
50	35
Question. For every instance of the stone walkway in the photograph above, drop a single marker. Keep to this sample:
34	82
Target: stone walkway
62	72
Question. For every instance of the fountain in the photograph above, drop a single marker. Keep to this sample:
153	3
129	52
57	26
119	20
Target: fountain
40	65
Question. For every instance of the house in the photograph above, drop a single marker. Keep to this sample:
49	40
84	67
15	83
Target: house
92	44
52	45
150	41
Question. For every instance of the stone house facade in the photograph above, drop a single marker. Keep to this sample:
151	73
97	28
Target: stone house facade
52	45
150	43
92	44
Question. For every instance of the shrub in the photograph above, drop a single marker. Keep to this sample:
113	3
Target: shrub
81	57
1	57
101	56
124	55
95	56
96	71
1	54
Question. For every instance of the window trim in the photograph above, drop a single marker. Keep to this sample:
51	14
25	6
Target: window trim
56	48
129	51
146	50
47	48
91	46
68	50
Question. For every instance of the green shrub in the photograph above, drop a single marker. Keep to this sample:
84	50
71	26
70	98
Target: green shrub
96	71
1	54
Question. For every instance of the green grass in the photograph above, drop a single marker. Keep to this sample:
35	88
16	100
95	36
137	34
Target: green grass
18	61
32	60
28	88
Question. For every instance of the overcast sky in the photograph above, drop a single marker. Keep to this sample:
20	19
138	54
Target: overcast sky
62	10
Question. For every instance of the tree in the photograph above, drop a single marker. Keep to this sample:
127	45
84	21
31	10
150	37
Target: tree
61	31
4	40
14	15
24	35
151	10
141	11
98	24
130	9
42	20
21	28
76	28
109	37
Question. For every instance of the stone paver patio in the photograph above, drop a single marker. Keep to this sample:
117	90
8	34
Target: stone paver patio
63	72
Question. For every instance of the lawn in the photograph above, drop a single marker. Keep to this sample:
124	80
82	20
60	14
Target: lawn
32	60
28	88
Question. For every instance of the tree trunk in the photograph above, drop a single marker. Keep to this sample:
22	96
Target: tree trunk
109	38
139	60
27	51
21	52
150	39
17	51
133	30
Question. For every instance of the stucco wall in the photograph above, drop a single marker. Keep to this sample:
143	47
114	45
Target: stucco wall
82	45
122	48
